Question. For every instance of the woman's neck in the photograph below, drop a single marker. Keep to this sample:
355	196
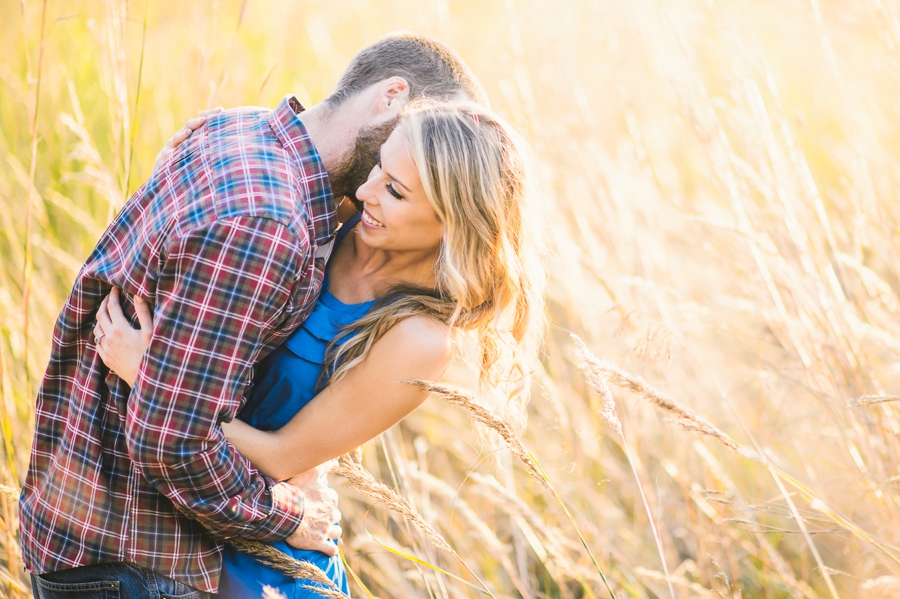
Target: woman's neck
359	273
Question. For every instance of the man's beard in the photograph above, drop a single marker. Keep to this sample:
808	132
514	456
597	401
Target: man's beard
355	166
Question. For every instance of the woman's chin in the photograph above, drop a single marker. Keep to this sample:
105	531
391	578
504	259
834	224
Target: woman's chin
371	236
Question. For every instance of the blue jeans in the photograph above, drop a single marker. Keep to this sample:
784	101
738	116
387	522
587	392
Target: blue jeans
113	580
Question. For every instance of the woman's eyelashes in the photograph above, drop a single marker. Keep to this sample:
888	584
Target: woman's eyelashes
392	191
390	186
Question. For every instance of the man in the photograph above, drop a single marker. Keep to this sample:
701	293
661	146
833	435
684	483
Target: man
136	489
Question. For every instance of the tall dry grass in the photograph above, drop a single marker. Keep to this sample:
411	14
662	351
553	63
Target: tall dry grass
719	178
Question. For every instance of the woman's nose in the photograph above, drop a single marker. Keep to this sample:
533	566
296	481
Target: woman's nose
365	191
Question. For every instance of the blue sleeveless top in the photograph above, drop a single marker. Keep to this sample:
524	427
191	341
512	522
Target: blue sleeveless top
285	381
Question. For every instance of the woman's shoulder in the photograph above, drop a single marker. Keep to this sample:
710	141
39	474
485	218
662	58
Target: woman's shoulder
420	337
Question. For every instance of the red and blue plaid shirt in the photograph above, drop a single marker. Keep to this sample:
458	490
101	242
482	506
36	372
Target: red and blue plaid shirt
223	241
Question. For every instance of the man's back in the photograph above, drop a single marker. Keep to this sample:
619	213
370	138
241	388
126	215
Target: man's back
221	239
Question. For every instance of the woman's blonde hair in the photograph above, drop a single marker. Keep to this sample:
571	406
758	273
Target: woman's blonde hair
489	281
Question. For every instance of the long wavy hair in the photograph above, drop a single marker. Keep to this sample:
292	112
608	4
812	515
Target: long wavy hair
474	171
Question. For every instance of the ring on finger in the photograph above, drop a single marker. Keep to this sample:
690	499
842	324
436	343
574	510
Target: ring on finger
97	340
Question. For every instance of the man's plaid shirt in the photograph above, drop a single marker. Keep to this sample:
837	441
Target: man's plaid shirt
222	240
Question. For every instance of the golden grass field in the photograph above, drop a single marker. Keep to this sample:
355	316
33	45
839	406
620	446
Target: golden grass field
719	180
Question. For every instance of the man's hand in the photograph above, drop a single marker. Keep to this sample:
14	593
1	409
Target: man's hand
321	518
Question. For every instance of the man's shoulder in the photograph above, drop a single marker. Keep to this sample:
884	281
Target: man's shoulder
230	129
250	173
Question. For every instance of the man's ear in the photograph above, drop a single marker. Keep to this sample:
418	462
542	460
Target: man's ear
393	96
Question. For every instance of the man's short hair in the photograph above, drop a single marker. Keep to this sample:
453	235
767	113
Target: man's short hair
431	68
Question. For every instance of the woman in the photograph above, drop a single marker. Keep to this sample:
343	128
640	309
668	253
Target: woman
444	243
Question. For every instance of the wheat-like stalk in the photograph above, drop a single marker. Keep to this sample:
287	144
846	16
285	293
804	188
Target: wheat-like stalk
868	400
556	542
460	507
549	544
603	370
696	591
485	417
363	481
271	557
596	380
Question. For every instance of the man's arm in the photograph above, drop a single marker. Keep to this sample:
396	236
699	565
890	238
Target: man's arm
222	290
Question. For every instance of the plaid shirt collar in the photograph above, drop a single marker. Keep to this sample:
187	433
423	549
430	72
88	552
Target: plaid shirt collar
322	207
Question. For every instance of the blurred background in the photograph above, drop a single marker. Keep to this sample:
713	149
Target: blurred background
719	180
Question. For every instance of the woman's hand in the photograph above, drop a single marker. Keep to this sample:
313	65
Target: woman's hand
182	134
321	518
321	524
121	347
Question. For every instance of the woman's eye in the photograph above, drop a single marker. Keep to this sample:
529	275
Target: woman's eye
392	191
389	186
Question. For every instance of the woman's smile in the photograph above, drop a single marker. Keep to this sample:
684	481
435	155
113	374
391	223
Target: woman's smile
406	221
370	221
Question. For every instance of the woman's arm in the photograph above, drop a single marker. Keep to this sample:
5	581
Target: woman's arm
367	401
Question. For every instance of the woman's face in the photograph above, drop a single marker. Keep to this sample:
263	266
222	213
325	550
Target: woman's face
397	215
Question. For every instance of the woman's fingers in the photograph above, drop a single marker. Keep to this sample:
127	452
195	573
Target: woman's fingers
327	467
115	309
145	317
195	123
111	317
335	532
103	355
185	132
305	478
327	547
103	318
182	134
211	111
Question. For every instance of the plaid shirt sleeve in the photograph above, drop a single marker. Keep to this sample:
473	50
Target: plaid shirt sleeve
224	290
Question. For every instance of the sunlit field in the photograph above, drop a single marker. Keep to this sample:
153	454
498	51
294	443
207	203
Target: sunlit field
719	183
